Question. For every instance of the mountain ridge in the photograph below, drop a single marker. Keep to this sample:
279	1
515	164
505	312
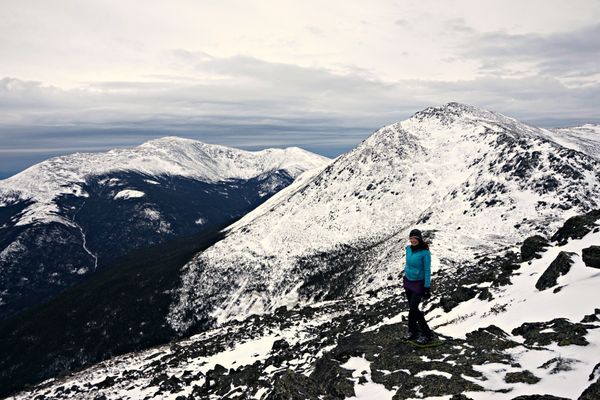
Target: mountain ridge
169	155
63	219
461	164
304	292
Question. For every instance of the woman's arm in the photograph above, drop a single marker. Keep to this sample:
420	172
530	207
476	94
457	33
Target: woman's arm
427	266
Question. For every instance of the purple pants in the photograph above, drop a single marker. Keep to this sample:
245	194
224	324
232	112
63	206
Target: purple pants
414	286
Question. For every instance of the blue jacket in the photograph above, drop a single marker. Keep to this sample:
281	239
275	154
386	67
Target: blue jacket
418	265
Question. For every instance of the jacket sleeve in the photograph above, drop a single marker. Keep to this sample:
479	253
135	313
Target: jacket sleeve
427	266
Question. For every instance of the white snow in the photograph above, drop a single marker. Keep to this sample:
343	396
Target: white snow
369	390
522	302
433	372
584	138
370	198
129	194
170	155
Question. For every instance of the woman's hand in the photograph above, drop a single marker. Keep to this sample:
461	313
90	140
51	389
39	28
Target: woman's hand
426	293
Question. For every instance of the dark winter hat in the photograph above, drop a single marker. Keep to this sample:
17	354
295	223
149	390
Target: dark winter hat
417	233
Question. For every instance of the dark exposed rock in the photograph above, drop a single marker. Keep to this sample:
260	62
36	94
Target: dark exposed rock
280	310
592	317
576	227
591	256
460	397
563	332
490	337
592	392
458	296
333	379
539	397
560	266
172	384
485	294
532	246
521	376
280	344
107	382
559	364
293	386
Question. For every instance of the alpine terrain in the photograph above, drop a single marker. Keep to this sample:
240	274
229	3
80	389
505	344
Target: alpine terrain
302	297
476	180
65	218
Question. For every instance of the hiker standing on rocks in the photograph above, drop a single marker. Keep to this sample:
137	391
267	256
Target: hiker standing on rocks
417	282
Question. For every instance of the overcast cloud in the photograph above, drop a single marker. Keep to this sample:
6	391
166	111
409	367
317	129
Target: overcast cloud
89	76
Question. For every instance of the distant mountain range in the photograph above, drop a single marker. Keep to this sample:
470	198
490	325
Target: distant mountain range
68	217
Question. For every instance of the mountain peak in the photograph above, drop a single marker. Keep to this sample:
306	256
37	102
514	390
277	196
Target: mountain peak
169	155
454	110
446	168
169	139
178	143
457	117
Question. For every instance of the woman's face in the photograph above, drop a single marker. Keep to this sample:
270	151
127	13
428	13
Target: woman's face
413	240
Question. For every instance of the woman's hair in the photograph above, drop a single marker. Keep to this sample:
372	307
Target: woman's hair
423	244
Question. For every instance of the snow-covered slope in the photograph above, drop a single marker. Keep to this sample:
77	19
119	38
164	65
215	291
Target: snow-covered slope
520	341
513	287
473	179
68	216
584	138
171	155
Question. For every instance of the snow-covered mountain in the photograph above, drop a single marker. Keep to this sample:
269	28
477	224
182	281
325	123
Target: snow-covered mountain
302	298
65	217
44	182
474	180
584	138
513	339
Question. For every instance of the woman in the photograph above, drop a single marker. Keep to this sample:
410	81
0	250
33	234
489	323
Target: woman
417	282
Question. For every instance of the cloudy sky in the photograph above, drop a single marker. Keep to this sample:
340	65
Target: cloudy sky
97	74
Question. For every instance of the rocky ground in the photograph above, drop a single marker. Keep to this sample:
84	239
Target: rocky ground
337	350
351	348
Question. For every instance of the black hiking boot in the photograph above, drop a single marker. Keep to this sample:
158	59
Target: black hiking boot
410	336
425	339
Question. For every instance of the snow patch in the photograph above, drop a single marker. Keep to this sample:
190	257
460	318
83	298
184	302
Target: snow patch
369	390
129	194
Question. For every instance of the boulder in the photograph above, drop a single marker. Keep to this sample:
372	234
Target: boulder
576	227
560	266
591	256
560	331
532	246
521	377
